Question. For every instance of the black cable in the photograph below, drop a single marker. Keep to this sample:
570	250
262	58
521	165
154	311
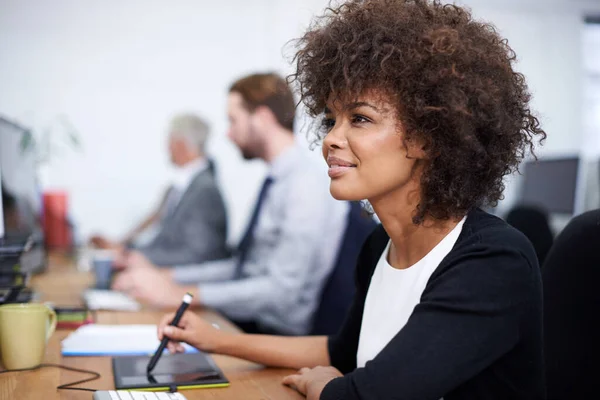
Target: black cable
66	386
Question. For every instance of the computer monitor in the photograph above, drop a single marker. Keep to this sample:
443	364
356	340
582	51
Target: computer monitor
21	196
21	203
551	183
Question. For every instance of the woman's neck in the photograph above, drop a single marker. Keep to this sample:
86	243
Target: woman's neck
410	242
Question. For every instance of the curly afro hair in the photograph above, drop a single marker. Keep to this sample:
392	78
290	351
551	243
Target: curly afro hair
450	79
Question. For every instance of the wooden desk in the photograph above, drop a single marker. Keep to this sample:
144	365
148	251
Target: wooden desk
63	285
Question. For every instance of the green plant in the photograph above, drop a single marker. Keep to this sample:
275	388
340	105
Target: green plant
52	141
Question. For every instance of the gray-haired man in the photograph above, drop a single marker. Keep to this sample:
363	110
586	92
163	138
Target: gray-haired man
191	219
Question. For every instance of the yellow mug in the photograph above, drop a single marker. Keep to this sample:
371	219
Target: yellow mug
24	332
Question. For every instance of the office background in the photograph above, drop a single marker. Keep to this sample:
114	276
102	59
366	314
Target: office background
118	70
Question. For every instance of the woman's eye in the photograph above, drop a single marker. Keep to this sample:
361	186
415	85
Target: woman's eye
359	119
328	124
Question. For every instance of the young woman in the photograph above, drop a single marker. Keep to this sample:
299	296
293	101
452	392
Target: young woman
423	115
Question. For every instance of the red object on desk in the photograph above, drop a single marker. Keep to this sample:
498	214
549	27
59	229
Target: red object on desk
57	232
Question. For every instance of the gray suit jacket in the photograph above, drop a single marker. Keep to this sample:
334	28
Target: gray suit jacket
196	231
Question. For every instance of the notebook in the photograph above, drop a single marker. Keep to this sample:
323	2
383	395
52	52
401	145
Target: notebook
173	371
113	340
109	300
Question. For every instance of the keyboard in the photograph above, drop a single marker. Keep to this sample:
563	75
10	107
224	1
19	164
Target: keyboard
132	395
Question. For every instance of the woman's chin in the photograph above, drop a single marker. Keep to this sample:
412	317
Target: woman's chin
343	192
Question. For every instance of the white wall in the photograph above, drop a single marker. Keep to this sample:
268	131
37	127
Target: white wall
590	194
546	37
591	109
120	69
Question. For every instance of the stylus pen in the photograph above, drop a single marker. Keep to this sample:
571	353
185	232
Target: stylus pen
187	299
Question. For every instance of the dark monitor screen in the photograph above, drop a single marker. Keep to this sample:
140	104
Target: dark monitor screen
21	195
551	184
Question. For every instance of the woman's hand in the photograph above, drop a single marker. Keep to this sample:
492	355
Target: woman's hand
192	330
311	382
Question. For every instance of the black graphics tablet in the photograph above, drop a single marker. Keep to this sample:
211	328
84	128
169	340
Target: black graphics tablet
173	371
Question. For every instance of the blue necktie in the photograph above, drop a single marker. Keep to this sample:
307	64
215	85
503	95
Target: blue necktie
248	237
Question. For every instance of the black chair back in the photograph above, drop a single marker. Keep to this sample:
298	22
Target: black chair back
533	222
572	311
339	290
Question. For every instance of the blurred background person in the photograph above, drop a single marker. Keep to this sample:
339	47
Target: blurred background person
273	282
191	218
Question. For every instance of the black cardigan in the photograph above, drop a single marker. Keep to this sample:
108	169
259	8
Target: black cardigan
475	334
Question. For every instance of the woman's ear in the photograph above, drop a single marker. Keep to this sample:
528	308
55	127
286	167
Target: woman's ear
416	149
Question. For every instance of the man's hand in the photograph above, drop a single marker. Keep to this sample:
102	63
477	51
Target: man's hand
151	285
101	242
132	260
311	382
